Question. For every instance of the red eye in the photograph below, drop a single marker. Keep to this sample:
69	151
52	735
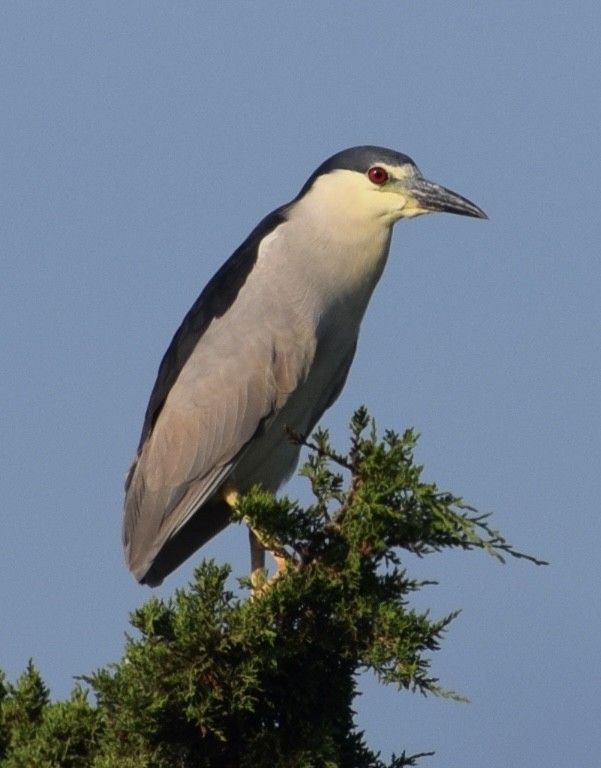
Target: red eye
377	175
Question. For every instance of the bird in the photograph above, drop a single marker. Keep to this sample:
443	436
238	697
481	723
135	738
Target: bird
265	350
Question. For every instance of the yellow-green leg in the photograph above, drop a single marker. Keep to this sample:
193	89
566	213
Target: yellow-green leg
257	549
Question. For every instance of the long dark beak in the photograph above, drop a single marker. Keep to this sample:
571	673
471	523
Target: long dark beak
431	198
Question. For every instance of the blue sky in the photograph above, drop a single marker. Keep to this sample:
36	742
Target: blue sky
139	144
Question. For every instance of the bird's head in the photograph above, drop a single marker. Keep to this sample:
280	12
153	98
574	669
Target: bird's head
375	184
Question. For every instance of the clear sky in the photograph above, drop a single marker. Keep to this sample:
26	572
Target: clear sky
139	144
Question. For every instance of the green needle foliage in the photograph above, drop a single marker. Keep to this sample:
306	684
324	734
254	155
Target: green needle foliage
215	679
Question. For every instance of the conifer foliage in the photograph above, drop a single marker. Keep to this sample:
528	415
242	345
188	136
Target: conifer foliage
214	678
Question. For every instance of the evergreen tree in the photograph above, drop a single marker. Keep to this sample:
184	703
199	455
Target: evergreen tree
212	678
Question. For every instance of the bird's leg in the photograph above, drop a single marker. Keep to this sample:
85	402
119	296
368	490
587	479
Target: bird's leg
258	548
229	494
257	562
258	576
280	562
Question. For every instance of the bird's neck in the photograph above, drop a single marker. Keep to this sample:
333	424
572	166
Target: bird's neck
342	254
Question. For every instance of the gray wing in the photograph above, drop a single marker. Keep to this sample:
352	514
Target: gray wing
199	435
214	301
215	392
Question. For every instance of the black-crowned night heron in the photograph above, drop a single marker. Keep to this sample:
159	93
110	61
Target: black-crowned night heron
267	346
